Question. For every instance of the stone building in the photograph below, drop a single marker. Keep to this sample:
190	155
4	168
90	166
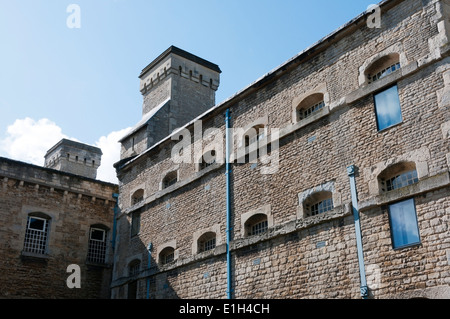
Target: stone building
52	218
338	181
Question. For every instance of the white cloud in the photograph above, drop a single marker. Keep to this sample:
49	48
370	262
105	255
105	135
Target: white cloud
110	147
29	140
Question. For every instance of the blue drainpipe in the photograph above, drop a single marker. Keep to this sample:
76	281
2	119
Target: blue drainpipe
228	185
149	250
351	171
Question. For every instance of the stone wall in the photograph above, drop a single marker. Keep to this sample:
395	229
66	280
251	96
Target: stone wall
74	204
306	257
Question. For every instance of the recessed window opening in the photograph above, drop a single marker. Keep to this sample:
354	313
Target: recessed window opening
318	203
134	267
382	67
97	245
211	159
311	110
257	225
398	176
36	235
170	179
384	72
207	242
138	196
167	255
310	105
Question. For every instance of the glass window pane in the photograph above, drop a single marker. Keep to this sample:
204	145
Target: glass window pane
387	108
37	224
404	228
97	234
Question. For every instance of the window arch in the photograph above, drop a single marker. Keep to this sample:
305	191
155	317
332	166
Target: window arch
397	176
318	203
254	135
137	197
208	159
37	233
167	255
310	105
256	225
97	244
134	267
170	179
206	242
382	67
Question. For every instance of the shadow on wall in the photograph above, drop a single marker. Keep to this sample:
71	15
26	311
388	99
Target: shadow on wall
144	277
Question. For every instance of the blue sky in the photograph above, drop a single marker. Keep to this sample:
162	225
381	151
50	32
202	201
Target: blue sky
82	83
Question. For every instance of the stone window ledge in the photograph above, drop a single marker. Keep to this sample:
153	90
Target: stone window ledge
425	185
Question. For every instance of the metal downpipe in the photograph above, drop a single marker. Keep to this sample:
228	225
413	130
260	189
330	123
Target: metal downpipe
351	171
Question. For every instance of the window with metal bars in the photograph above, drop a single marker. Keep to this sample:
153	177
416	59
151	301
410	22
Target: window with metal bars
321	207
381	74
305	113
97	246
134	267
259	228
318	203
401	180
36	235
167	255
211	160
170	179
207	242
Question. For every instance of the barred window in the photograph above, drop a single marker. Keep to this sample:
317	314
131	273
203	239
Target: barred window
321	207
398	176
384	72
318	203
257	225
254	135
209	160
167	255
134	267
259	228
309	106
170	179
382	67
36	235
138	196
305	113
402	180
207	242
97	246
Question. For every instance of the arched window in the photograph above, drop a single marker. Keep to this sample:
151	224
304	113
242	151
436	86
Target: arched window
134	267
170	179
206	242
208	159
256	225
167	255
397	176
97	244
310	105
318	203
383	67
253	135
137	197
36	233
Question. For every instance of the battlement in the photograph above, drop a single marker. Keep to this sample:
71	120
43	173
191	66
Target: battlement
75	158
